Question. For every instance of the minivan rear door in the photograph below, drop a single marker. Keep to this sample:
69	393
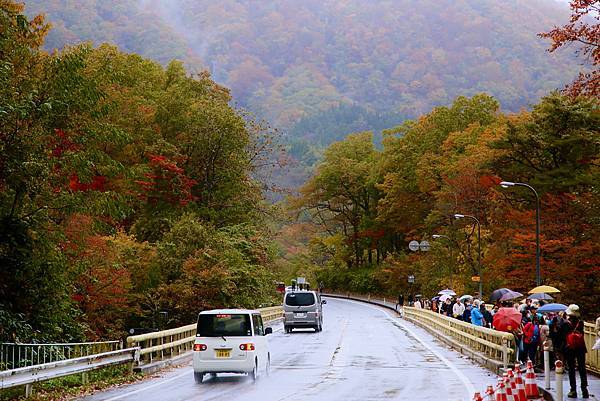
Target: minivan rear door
223	333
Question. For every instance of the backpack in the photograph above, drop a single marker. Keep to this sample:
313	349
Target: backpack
575	340
536	335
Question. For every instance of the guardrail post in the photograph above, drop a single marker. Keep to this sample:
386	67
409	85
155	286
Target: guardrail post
559	380
28	390
85	378
546	365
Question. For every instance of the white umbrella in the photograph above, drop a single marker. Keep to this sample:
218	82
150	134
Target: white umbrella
466	297
447	291
444	297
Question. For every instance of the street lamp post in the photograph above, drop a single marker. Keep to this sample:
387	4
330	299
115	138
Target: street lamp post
462	216
436	236
507	184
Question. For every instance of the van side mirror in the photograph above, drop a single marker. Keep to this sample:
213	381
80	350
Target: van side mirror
323	301
268	330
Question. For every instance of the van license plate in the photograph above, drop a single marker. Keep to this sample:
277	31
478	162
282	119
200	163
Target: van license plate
223	353
300	314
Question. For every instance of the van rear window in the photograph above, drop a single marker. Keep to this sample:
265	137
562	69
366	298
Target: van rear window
228	325
300	299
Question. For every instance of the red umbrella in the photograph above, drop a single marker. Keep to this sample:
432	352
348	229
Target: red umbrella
507	319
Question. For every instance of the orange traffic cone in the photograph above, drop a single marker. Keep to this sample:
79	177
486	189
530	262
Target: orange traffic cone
510	396
489	392
500	393
531	388
520	386
513	385
517	367
477	397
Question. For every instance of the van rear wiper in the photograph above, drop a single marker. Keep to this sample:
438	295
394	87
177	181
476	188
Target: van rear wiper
223	337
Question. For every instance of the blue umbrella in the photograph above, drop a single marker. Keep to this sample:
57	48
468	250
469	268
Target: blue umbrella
552	308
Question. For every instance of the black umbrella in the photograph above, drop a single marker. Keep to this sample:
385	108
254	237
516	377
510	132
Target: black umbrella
500	292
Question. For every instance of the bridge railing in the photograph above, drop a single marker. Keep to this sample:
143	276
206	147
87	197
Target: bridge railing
592	358
171	343
496	348
495	345
19	355
27	376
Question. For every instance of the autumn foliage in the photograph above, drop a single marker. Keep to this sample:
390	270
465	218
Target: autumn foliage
583	30
451	161
167	183
109	165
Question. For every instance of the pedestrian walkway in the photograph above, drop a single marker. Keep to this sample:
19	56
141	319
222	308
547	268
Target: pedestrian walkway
593	385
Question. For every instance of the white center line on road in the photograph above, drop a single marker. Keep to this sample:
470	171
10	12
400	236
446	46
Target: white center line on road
464	379
160	383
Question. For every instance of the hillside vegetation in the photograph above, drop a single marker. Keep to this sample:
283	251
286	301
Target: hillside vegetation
125	191
370	203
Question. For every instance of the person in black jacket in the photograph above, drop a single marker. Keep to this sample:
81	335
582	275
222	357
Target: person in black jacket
487	316
571	332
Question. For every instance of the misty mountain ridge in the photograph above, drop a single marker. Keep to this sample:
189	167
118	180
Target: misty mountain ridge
291	62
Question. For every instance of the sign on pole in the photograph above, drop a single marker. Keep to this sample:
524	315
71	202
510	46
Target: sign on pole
476	279
411	279
424	246
413	245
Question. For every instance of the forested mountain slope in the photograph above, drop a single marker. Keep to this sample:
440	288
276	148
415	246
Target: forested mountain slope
291	60
122	22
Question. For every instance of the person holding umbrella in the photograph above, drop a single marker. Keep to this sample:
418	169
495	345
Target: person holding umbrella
508	319
531	338
575	350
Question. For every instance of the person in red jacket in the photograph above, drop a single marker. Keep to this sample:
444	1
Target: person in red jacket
531	338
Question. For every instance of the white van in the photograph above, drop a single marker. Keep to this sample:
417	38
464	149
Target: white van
231	341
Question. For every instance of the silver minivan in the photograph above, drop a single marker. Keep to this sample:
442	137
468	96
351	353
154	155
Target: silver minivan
302	309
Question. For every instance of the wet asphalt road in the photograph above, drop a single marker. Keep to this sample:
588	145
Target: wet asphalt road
363	353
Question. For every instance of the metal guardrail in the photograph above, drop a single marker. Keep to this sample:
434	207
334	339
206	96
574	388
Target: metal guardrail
592	358
494	345
29	375
171	343
19	355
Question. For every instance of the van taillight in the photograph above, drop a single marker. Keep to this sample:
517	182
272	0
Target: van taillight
247	347
199	347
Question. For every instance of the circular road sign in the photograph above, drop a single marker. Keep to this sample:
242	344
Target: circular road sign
424	246
413	245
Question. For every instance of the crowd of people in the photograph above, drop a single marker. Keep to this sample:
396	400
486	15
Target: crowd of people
562	333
